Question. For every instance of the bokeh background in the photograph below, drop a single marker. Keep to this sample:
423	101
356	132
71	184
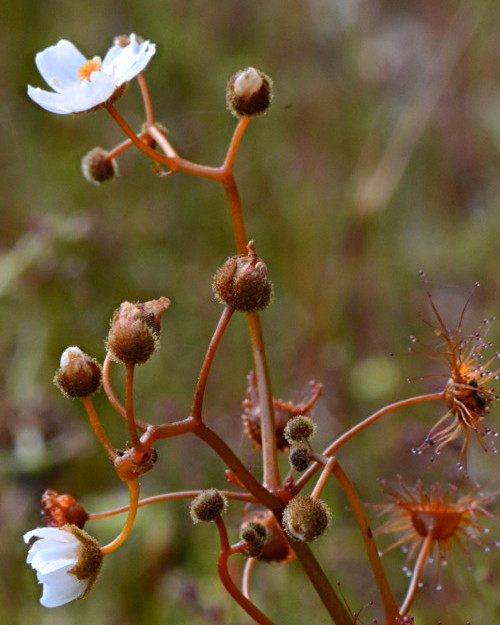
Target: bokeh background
380	158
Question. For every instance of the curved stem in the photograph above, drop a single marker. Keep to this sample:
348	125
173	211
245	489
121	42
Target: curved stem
359	427
271	478
267	498
185	494
222	568
321	584
98	429
245	578
423	557
146	99
386	594
199	393
234	145
134	490
129	407
111	395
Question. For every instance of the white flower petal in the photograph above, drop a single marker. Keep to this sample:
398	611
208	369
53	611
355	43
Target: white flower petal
59	65
53	557
90	94
52	102
49	532
60	587
125	63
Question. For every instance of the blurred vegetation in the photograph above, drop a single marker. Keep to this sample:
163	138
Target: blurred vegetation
379	158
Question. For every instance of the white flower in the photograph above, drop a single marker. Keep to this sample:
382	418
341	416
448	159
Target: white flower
67	561
80	84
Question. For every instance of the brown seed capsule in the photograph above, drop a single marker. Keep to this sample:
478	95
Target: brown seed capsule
97	167
299	457
58	510
209	505
242	282
79	375
305	518
299	428
249	92
135	330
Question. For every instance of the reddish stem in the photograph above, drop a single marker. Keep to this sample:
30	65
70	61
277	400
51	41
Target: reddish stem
98	429
134	490
222	568
146	98
423	557
185	494
129	407
199	393
331	449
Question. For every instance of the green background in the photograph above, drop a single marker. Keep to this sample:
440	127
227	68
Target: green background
379	158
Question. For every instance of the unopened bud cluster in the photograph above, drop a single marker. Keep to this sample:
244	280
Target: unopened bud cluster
255	535
79	375
97	167
305	518
242	283
135	330
249	92
208	506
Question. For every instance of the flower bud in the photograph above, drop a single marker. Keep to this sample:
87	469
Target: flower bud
135	330
305	518
242	282
299	428
299	457
276	547
209	505
59	510
79	375
255	535
97	167
249	92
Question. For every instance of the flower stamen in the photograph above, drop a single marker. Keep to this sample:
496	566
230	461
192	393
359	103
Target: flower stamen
89	67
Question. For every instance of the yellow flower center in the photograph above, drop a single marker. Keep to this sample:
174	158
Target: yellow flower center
90	66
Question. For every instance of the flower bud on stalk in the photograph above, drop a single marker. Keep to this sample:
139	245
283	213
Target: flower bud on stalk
299	457
79	375
135	330
299	428
242	282
305	518
59	510
97	167
249	92
209	505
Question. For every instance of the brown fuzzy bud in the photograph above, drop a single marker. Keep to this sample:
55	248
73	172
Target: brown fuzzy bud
135	330
97	167
255	535
209	505
249	92
299	428
305	518
58	510
299	457
79	375
276	547
242	282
